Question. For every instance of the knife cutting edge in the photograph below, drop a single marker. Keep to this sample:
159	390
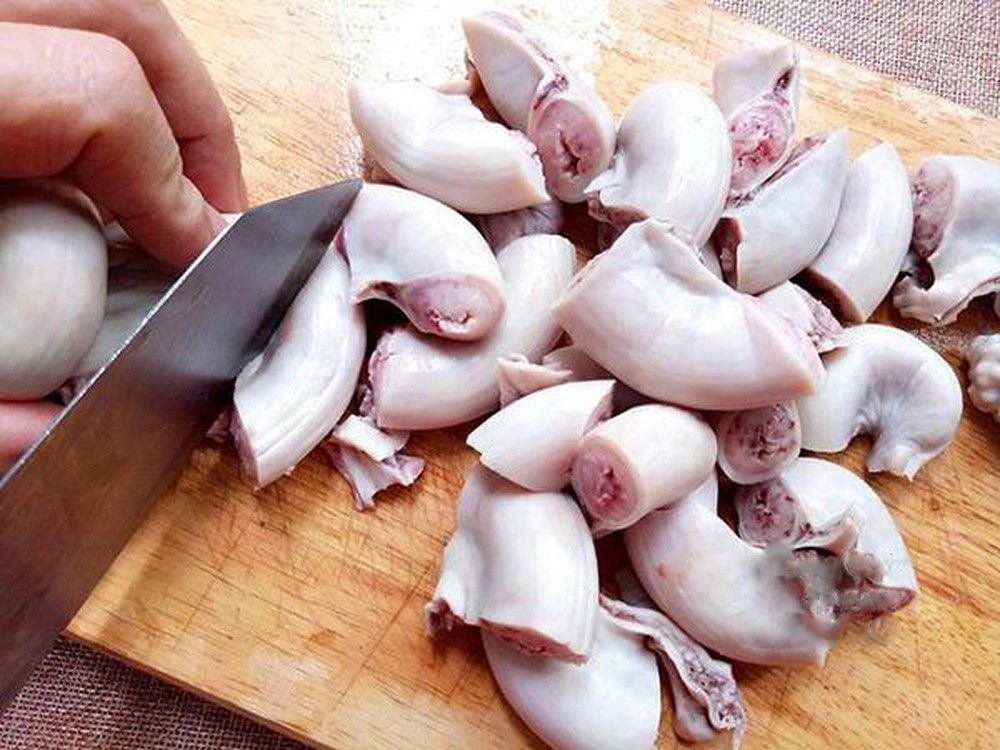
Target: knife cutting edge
72	501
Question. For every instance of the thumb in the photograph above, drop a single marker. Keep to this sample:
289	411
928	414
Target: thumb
21	423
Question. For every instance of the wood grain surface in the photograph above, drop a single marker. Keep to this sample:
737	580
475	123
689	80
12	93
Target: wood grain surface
290	606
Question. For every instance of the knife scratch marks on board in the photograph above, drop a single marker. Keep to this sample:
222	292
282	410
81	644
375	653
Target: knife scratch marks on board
197	608
362	668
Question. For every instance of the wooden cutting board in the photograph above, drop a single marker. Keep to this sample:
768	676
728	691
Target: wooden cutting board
293	608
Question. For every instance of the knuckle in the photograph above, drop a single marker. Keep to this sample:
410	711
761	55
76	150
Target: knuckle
112	63
225	127
112	78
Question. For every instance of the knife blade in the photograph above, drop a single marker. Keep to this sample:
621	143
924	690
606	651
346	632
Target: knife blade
72	501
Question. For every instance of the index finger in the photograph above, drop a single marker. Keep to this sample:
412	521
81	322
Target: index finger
86	111
197	115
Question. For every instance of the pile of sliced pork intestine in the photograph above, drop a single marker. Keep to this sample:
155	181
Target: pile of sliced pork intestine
695	350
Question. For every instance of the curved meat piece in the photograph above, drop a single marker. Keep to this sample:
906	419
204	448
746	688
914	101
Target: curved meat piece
370	459
362	434
710	259
725	593
610	703
705	693
537	94
502	229
652	314
21	424
757	444
984	373
771	512
773	233
442	146
859	263
289	398
367	477
423	383
645	458
758	92
955	252
53	276
425	258
806	313
810	500
886	383
533	441
690	721
574	360
518	377
671	163
520	565
134	287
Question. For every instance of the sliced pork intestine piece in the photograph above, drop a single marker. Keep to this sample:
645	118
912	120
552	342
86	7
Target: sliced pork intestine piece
983	356
421	382
818	504
517	377
859	263
362	434
503	228
757	90
441	145
757	444
573	360
700	682
289	398
423	257
728	595
955	252
370	459
367	476
538	94
520	565
53	277
710	259
771	512
649	312
533	441
645	458
887	383
672	163
773	233
134	287
610	703
806	313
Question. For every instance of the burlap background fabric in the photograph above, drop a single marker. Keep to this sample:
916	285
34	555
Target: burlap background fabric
950	47
79	699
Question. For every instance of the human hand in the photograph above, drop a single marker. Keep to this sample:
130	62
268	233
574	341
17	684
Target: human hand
111	96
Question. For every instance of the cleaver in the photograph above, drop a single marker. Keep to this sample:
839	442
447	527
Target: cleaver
72	501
